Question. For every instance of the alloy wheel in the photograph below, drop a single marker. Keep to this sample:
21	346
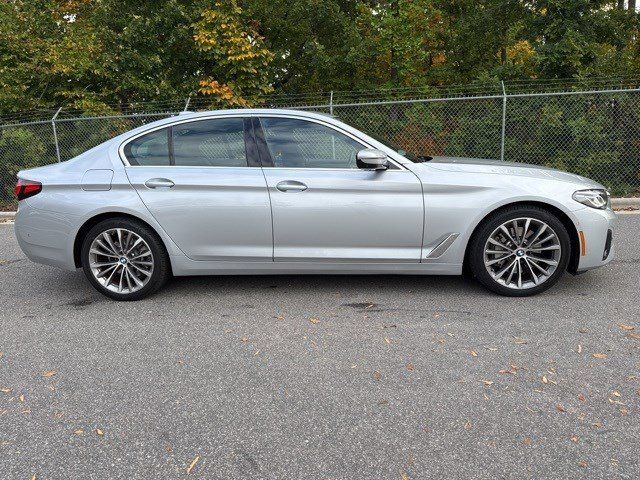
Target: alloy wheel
121	260
522	253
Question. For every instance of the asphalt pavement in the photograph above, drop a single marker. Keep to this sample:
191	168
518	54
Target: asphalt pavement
320	377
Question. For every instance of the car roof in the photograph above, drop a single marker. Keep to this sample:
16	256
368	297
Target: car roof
186	115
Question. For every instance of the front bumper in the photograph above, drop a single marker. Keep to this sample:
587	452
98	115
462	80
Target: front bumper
595	230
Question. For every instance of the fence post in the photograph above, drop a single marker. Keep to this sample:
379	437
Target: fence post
331	102
504	119
55	133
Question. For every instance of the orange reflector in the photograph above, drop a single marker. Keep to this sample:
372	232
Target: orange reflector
583	244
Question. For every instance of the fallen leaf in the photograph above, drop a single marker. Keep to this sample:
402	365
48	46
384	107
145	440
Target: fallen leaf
78	431
5	390
468	425
410	367
280	317
50	373
520	341
487	382
626	327
574	439
21	398
527	441
505	370
474	353
403	475
600	355
377	375
314	320
387	340
581	397
99	432
616	394
193	464
579	348
635	336
544	379
583	464
256	353
245	339
560	408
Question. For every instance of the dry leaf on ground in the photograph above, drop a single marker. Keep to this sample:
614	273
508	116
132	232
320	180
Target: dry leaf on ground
410	367
193	464
99	432
626	327
600	355
474	353
377	375
50	373
314	320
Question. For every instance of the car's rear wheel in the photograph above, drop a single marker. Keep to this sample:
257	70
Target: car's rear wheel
124	259
519	251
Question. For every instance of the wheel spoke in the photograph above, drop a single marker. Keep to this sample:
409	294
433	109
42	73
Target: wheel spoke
533	274
506	232
525	231
145	272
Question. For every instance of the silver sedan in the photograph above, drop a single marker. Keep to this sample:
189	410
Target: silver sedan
286	192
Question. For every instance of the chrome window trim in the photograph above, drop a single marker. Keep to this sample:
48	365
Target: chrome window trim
124	143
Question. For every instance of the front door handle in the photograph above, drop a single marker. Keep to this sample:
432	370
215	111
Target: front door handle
159	183
291	185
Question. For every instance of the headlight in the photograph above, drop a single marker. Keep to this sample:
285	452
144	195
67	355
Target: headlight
593	198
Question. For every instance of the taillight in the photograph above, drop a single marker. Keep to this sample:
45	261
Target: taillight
27	188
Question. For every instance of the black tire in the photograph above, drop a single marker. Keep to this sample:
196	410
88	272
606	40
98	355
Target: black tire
161	264
475	254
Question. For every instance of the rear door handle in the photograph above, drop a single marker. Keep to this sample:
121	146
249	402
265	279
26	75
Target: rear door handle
291	185
159	183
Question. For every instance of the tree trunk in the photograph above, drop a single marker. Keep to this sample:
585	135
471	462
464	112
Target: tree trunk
620	4
632	5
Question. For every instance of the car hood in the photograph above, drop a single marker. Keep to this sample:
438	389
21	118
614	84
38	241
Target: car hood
499	167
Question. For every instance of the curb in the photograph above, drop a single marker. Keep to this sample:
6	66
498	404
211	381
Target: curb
630	202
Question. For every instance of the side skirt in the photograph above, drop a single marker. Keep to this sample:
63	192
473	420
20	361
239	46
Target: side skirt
183	267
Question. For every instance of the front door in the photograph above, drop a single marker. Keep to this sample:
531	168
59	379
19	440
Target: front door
325	209
197	180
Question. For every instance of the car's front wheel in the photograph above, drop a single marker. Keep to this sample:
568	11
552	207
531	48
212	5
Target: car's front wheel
519	251
124	259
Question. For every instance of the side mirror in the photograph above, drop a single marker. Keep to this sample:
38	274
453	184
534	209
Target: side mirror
372	159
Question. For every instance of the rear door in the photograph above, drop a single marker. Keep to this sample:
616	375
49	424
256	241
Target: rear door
204	185
326	209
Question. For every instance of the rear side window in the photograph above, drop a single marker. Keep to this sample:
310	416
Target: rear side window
203	143
149	149
210	143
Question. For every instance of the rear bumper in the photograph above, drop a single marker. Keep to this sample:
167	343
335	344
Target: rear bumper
44	236
597	241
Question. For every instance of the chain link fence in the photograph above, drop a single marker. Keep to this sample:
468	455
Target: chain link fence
592	133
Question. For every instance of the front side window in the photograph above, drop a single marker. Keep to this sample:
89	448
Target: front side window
295	143
202	143
150	149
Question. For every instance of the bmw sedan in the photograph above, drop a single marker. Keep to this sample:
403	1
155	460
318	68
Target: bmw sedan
291	192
